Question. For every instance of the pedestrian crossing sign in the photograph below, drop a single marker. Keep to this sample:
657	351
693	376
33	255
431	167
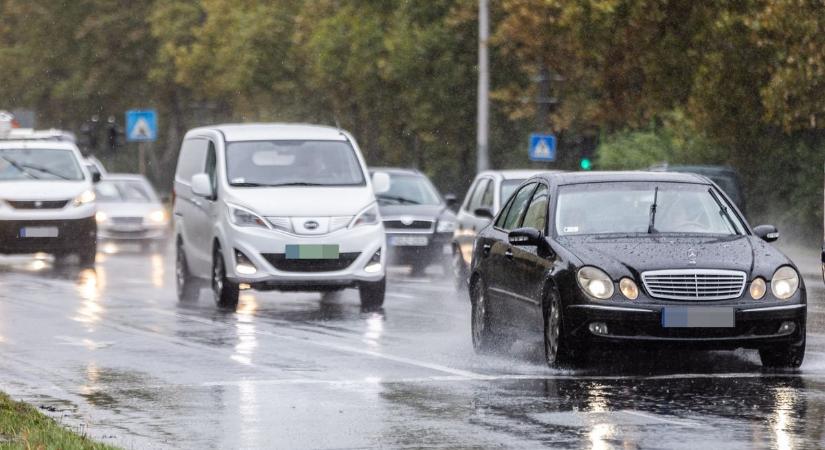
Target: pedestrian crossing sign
542	147
141	125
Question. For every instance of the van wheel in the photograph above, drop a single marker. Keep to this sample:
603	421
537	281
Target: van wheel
558	350
225	292
184	281
372	294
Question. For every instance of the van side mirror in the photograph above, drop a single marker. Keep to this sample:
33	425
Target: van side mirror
201	186
96	177
484	213
768	233
380	182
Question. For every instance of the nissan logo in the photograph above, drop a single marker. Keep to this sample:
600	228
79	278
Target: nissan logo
311	225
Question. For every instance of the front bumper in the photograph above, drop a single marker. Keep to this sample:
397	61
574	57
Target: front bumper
266	249
438	245
755	325
141	233
72	235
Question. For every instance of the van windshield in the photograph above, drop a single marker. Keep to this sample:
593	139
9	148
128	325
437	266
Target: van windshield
293	163
39	164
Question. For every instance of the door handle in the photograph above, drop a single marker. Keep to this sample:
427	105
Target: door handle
509	254
486	249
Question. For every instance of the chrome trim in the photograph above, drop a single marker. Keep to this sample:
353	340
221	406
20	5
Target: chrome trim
612	308
516	296
775	308
385	219
692	283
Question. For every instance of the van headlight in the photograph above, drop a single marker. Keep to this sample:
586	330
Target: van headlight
87	196
369	216
243	217
595	282
785	282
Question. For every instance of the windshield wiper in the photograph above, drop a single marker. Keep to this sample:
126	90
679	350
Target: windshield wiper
295	183
723	211
247	184
20	167
399	199
651	228
45	170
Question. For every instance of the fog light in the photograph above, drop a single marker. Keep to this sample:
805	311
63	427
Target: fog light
374	264
243	266
787	327
599	328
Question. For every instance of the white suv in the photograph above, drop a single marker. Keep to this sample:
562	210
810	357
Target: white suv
277	207
47	202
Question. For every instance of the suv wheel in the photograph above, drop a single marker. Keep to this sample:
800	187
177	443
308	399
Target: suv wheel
225	292
184	281
372	294
557	349
483	338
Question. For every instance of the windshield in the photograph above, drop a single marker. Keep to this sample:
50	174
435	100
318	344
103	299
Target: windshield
410	189
607	208
39	164
508	187
285	163
124	191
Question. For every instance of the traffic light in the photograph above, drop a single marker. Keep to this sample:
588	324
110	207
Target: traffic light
585	163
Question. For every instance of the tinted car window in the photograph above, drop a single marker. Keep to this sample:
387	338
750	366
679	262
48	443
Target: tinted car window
518	206
536	216
211	166
192	159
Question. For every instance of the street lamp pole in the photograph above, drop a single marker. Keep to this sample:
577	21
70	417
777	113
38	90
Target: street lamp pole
482	137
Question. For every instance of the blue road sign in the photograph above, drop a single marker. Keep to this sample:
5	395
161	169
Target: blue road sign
542	147
141	125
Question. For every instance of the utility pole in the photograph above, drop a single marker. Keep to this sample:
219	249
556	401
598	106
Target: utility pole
482	137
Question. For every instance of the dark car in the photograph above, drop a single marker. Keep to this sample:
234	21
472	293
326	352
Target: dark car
724	176
417	220
591	259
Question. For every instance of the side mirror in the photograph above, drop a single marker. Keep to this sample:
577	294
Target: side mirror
525	237
451	199
96	177
380	182
484	213
768	233
201	186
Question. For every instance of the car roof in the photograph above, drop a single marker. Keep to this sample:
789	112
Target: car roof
397	171
35	144
124	176
514	174
606	177
234	132
698	168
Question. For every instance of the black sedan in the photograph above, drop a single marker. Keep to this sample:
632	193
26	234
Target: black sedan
594	259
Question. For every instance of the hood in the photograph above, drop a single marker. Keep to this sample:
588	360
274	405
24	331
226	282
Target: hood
431	211
128	209
309	201
630	255
42	190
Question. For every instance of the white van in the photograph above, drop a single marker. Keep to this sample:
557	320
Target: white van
47	202
277	207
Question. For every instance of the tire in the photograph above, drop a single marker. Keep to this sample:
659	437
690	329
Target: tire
788	356
372	294
480	324
224	291
86	256
187	289
558	351
459	269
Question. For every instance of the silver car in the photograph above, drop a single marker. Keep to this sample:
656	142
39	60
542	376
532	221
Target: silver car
128	209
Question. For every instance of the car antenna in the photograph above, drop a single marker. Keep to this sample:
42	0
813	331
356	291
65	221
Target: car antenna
651	227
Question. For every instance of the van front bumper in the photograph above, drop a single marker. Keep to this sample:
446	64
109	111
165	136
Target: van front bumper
72	235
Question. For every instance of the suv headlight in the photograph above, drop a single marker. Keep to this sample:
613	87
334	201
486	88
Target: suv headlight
369	216
785	282
243	217
85	197
445	226
595	282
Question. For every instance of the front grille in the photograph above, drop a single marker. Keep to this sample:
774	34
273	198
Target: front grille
127	220
414	225
279	261
37	204
694	284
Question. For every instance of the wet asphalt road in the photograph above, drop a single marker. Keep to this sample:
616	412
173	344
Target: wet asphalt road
110	352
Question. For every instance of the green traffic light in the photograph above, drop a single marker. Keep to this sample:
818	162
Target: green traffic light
585	164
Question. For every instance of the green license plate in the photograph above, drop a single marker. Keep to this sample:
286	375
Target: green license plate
312	251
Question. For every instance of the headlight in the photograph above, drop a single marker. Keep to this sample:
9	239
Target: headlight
246	218
784	283
157	217
758	288
445	226
84	198
629	289
369	216
595	282
101	217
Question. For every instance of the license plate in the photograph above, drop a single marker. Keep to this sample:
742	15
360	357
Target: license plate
698	317
38	232
409	241
312	251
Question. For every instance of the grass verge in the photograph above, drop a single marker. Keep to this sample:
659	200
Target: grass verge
23	426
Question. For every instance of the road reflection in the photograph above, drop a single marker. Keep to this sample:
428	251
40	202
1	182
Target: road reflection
88	286
247	340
